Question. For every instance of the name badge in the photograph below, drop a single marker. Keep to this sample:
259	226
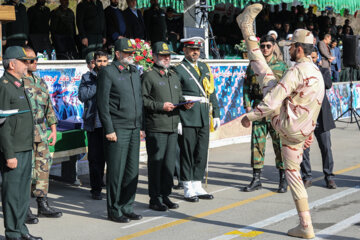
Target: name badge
162	83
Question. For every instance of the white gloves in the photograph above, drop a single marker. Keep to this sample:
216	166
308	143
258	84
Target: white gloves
216	123
179	129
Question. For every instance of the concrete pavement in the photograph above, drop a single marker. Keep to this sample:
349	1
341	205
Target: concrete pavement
233	214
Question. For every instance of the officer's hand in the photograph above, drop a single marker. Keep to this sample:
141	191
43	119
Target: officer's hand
104	41
142	135
248	109
245	122
52	135
111	137
308	142
11	163
168	106
85	42
189	105
4	42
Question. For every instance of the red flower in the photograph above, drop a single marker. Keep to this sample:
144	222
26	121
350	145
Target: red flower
144	52
148	60
137	40
139	58
134	46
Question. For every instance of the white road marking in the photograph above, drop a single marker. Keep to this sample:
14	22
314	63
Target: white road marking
327	232
158	217
287	214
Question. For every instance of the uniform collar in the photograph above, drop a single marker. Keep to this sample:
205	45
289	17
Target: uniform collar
272	60
162	71
304	59
16	82
192	64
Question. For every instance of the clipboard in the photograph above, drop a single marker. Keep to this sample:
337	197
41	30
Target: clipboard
183	103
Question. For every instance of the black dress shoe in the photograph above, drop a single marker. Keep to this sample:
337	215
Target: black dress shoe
169	203
121	219
31	218
180	186
331	184
307	183
158	207
206	196
133	216
96	196
192	199
30	237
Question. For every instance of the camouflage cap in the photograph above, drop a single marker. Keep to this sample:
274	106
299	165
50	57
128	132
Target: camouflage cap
161	48
299	36
89	57
124	45
16	52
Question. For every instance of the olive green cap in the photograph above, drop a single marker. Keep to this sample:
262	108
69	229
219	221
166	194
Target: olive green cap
89	57
124	45
161	48
16	52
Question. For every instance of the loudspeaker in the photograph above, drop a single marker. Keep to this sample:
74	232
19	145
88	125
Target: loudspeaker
351	51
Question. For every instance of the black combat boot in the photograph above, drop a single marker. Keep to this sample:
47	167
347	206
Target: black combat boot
255	182
31	218
44	210
282	183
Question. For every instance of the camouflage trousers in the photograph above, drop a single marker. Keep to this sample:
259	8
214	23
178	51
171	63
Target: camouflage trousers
41	164
260	130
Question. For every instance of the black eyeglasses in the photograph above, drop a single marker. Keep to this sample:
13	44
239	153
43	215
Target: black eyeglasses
268	46
33	60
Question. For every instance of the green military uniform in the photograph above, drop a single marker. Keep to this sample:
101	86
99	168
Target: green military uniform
119	101
161	85
252	97
43	110
16	141
194	141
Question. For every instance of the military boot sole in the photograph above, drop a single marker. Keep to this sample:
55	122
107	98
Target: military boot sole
247	189
245	20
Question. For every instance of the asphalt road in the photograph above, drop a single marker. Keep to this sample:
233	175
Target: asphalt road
233	214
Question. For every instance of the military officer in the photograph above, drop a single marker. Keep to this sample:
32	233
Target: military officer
44	116
161	91
16	143
197	85
260	129
120	106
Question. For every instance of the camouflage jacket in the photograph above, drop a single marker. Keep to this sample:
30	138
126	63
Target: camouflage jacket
43	111
251	89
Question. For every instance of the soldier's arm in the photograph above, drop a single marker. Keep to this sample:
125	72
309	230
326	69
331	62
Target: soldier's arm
87	90
102	97
149	101
275	97
246	88
50	115
5	130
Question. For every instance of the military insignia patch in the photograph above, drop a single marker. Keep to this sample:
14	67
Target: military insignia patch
162	72
121	67
165	46
5	81
18	84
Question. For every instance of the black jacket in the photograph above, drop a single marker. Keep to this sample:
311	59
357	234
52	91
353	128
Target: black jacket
18	29
135	27
325	118
155	24
39	17
112	24
90	19
87	95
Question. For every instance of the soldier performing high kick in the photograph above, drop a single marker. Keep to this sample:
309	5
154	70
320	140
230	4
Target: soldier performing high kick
197	84
292	105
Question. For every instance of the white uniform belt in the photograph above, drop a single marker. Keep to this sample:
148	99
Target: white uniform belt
194	98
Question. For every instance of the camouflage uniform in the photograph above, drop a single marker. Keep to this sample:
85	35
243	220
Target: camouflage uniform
43	111
260	129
